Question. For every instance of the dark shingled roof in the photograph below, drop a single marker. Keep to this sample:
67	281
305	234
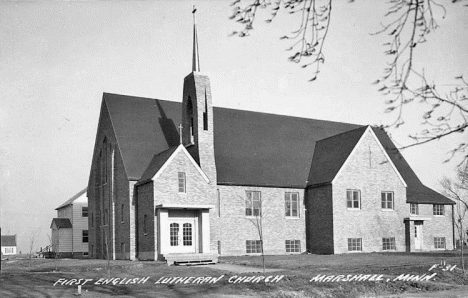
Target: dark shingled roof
251	148
416	191
330	155
8	240
61	223
156	163
72	199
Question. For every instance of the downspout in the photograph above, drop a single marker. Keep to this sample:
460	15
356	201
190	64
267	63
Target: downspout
73	230
453	230
113	202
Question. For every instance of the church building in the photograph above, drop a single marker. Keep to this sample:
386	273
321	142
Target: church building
187	182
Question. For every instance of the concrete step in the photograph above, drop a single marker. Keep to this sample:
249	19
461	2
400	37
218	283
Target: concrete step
191	259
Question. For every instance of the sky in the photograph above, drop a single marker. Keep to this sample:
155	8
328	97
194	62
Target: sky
58	57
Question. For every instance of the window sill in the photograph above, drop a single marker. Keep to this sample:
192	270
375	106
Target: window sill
388	210
292	217
439	215
354	209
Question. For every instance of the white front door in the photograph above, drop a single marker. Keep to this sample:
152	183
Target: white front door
182	235
418	237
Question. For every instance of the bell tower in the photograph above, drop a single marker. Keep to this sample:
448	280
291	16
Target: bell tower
197	114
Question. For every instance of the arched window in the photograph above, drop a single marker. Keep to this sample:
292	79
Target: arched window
190	118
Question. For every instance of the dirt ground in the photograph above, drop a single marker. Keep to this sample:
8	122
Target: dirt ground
19	280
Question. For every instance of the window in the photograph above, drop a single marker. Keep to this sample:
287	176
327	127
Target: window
439	242
85	236
291	204
145	224
293	245
84	211
388	243
387	200
182	182
187	234
354	244
122	213
253	246
353	199
85	254
438	209
414	209
253	203
92	220
174	234
104	164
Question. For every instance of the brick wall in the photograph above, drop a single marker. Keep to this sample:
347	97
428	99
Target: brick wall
232	228
145	242
320	220
368	171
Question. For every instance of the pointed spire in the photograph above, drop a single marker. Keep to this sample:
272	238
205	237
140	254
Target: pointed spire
195	58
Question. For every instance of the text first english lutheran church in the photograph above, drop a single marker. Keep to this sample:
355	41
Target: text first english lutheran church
188	182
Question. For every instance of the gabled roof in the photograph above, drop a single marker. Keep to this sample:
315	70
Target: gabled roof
8	240
330	154
61	223
156	164
72	199
251	148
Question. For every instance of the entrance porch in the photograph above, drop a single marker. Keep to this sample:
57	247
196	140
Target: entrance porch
183	234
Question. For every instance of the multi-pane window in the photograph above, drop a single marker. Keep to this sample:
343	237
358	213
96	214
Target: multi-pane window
253	203
291	204
84	211
253	246
439	242
353	199
354	244
438	209
387	200
187	234
293	245
182	183
388	243
414	209
174	234
84	235
145	224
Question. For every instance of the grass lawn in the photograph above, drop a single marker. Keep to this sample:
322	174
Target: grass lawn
19	280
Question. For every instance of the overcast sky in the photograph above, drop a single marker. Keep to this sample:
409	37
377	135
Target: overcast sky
57	58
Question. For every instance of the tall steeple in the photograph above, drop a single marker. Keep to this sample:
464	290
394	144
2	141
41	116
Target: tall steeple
197	114
195	58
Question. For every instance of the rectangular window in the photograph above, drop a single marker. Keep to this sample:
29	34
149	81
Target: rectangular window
354	244
253	246
122	213
84	211
291	204
439	242
92	220
253	203
438	209
387	200
145	224
293	245
85	236
414	209
181	176
388	243
353	199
